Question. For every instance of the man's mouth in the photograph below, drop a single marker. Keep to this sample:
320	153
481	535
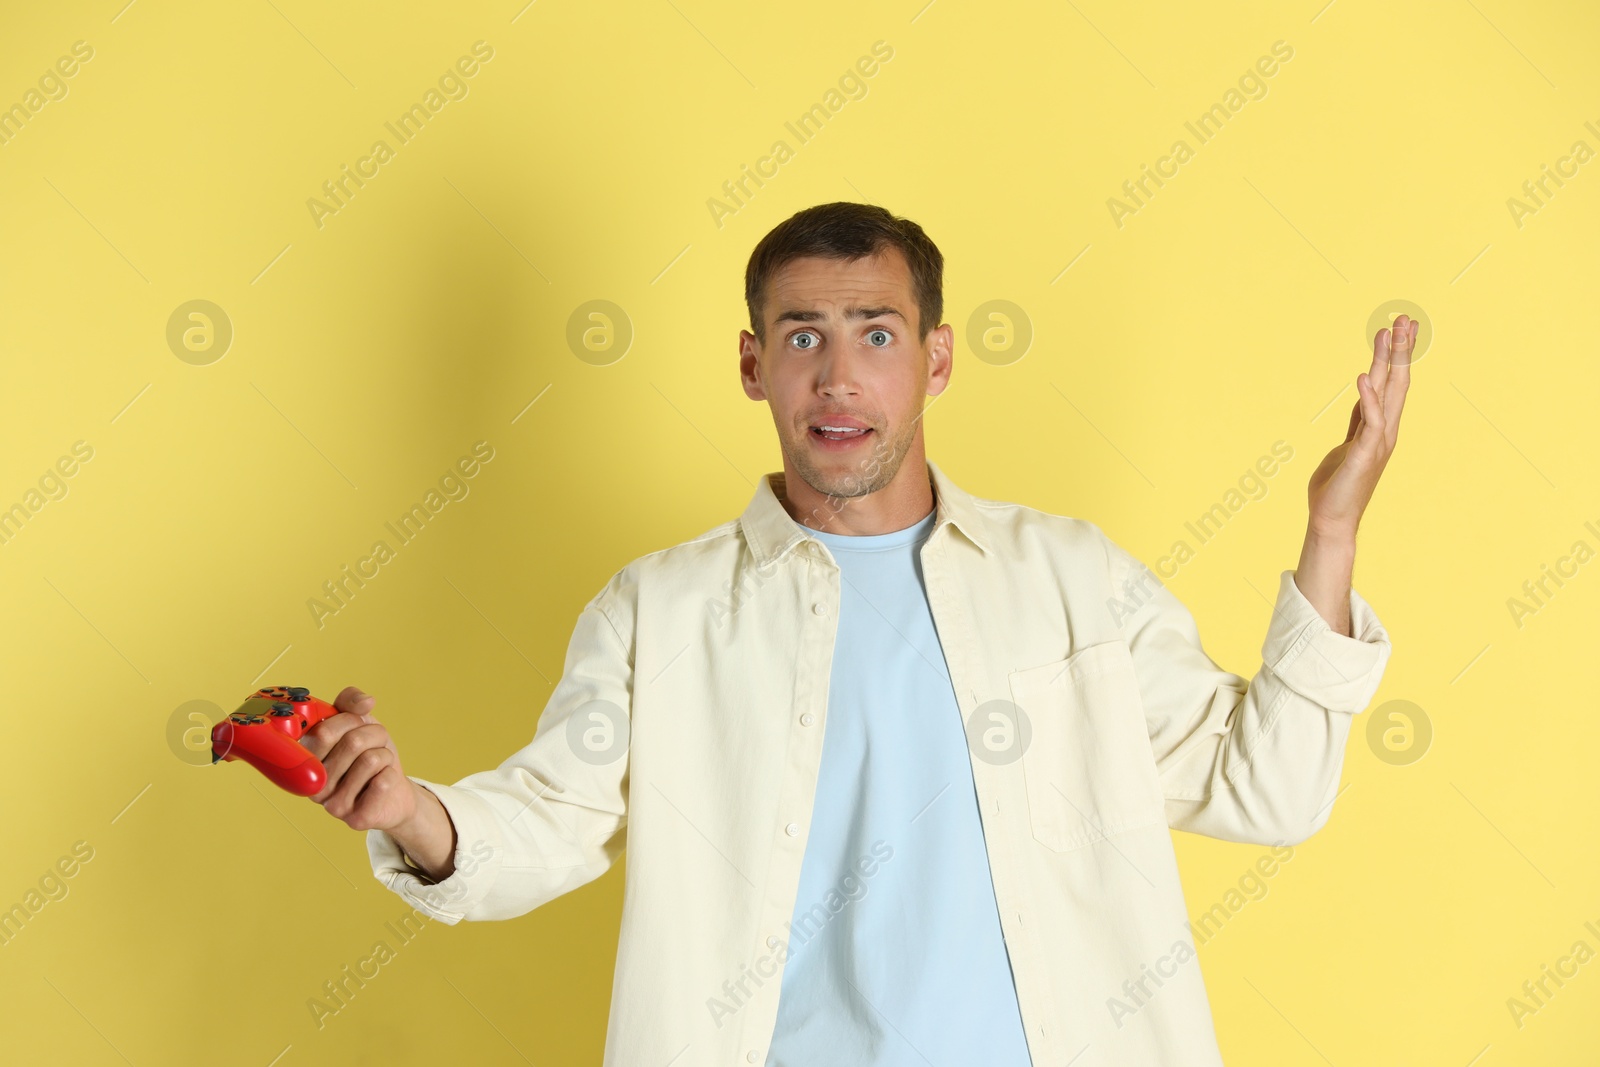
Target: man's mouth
829	432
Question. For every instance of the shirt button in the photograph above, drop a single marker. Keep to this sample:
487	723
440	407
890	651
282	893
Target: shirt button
819	608
793	829
750	1057
807	719
773	942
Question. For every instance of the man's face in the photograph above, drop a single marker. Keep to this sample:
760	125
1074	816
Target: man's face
842	351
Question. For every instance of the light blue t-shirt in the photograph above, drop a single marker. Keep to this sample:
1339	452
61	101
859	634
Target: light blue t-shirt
895	953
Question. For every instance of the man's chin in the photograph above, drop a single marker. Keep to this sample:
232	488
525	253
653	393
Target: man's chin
847	476
842	487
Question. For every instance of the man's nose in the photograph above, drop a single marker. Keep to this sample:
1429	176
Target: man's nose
837	375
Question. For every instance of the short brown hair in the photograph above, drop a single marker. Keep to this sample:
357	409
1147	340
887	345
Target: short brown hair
843	230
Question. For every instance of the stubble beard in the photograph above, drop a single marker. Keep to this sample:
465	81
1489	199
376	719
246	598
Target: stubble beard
866	474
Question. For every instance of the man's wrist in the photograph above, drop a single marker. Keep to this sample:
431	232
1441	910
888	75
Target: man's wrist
1332	539
427	838
407	828
1323	575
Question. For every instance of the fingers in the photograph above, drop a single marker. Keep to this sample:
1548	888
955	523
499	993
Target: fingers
1355	415
1385	346
363	788
1394	390
1371	412
1403	341
374	804
321	738
354	742
1390	374
1381	342
353	700
347	751
1400	340
355	709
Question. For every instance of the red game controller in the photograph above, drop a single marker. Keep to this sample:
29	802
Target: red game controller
265	732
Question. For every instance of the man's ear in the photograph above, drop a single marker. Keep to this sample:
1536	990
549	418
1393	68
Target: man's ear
750	366
941	344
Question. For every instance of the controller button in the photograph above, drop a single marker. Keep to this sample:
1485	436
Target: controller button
280	711
298	693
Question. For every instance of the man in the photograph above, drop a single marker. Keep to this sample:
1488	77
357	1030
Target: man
895	765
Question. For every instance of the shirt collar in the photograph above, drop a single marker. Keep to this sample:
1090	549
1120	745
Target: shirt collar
771	532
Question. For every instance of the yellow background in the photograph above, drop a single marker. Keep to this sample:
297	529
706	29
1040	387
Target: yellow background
370	353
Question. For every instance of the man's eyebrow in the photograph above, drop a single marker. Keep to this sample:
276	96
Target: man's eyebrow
851	312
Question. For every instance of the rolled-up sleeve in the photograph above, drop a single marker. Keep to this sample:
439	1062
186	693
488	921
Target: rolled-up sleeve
1254	760
1331	670
553	815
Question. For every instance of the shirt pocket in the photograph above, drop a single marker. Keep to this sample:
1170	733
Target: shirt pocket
1087	762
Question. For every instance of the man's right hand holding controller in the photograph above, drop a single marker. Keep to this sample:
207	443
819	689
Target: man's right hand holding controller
367	790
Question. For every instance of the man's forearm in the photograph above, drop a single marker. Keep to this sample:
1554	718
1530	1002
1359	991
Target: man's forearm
1323	576
428	837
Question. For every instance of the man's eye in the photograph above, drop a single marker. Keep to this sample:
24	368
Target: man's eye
878	338
805	339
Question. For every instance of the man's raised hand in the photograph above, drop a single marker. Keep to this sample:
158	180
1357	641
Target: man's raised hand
1342	485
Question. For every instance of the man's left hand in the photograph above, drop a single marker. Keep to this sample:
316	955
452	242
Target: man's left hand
1342	485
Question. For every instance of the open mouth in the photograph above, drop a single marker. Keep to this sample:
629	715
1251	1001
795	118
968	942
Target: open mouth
839	433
